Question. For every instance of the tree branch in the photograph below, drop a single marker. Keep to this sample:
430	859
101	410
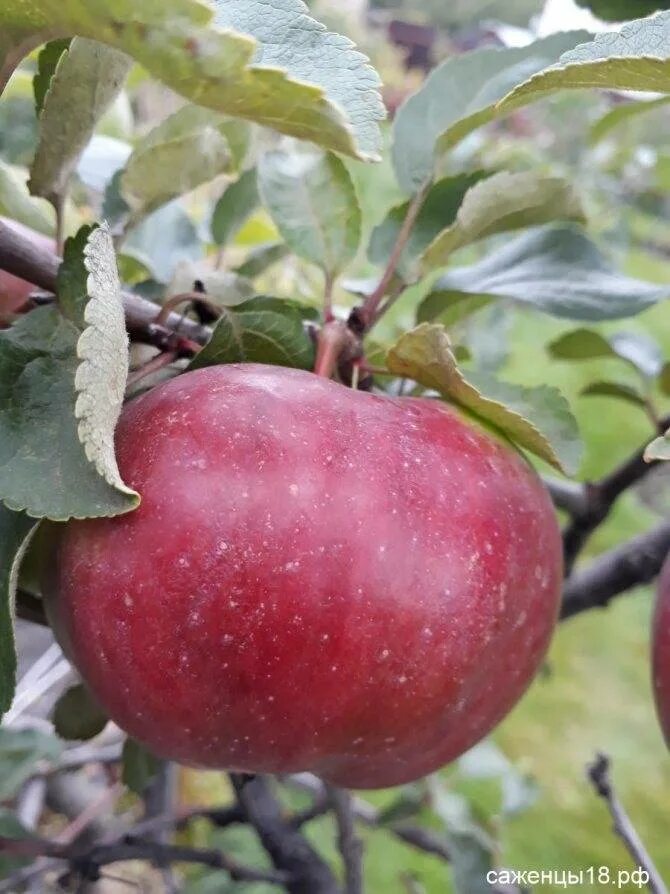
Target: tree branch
350	845
598	773
636	562
289	850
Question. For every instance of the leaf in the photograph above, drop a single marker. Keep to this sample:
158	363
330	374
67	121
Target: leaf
557	270
618	390
20	752
77	716
17	203
235	206
312	200
72	277
86	80
438	211
12	828
501	203
619	10
460	96
162	240
46	66
640	351
260	258
622	114
664	379
100	380
63	385
187	149
265	61
263	330
537	419
634	58
15	529
139	766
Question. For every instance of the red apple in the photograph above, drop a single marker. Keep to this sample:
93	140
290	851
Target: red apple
661	651
15	291
316	579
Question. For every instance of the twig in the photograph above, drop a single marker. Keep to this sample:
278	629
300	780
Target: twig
350	845
369	310
598	773
289	850
156	363
636	562
567	495
598	499
328	298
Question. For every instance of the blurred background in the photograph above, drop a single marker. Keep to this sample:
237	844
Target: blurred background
526	787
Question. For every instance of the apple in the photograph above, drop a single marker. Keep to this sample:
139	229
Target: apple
661	651
13	290
317	578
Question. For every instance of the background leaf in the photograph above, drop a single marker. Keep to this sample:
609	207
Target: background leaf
312	200
234	207
501	203
47	61
139	766
555	270
17	203
20	752
86	80
459	96
621	114
189	148
77	716
538	419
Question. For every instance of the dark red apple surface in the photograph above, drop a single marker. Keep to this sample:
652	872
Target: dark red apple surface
13	290
661	651
316	579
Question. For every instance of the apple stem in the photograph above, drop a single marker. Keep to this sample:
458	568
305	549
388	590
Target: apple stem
153	365
332	339
328	315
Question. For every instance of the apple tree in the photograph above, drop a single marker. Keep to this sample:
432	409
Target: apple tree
268	492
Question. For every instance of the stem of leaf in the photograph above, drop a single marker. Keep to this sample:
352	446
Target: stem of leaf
371	311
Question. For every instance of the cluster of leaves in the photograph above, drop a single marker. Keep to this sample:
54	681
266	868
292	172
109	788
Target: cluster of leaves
242	67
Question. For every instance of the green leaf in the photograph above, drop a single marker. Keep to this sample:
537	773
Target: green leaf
618	390
11	827
15	529
450	308
263	330
77	716
438	211
619	10
139	766
312	200
63	386
72	277
187	149
162	240
537	419
556	270
46	66
664	379
235	206
640	351
268	62
86	80
501	203
635	58
20	752
262	257
460	96
17	203
621	115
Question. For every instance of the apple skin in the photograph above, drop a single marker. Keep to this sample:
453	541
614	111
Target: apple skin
13	290
661	651
317	578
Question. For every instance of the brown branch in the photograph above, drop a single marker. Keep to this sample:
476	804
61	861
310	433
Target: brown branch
350	845
598	773
628	565
598	499
289	850
23	258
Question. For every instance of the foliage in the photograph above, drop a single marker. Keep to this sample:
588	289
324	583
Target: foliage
494	280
